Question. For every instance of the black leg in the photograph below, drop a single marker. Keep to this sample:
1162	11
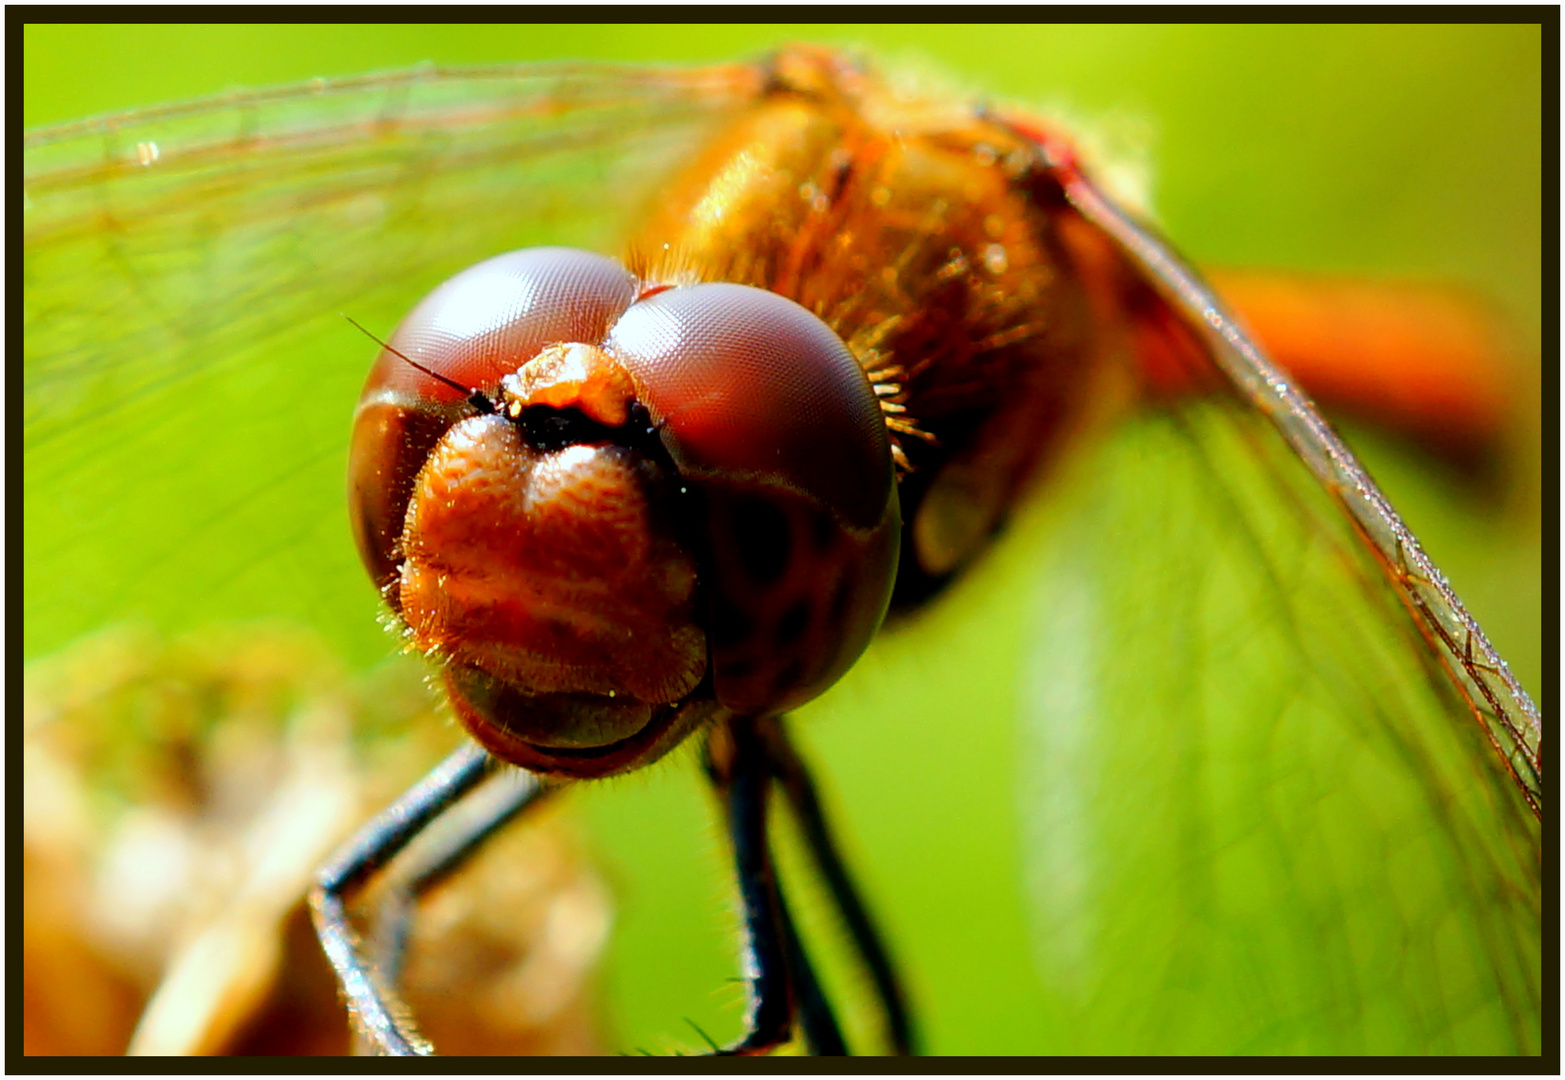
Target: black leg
791	773
426	862
744	757
737	765
378	1015
815	1016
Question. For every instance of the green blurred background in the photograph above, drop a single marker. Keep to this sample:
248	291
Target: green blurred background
1375	150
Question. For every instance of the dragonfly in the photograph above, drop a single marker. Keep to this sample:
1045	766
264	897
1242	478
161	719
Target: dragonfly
1391	752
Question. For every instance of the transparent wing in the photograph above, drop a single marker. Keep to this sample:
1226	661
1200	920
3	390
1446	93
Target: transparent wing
1507	715
188	379
1280	795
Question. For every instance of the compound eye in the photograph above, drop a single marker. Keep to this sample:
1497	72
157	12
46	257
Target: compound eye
766	412
474	329
744	381
493	317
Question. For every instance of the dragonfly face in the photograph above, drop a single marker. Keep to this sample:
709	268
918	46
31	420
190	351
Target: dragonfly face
1080	754
702	471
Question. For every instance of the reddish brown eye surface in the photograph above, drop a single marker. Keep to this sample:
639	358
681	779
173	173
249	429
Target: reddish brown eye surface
476	328
764	409
745	381
486	321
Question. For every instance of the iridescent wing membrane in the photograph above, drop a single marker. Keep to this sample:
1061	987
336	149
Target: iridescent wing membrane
1264	805
1508	716
1273	764
1245	786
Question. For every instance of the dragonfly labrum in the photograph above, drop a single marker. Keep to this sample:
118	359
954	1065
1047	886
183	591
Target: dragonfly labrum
1279	778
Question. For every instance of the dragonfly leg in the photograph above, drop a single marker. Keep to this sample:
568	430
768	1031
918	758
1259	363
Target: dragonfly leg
815	1016
776	964
378	1014
794	777
458	835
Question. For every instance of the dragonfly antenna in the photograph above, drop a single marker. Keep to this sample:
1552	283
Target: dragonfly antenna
477	398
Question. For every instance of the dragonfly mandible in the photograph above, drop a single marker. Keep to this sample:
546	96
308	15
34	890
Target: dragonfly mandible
571	134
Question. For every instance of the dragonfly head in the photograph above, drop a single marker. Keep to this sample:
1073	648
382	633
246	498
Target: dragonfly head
680	504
